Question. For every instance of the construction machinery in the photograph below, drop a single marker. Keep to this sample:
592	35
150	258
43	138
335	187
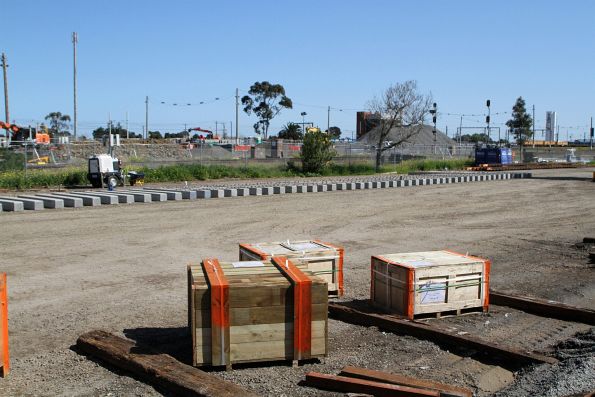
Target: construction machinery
106	171
209	133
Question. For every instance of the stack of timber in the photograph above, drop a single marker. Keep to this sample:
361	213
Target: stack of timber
433	282
378	383
322	259
252	311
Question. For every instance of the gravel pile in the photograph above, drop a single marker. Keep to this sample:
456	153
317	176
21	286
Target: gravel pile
574	374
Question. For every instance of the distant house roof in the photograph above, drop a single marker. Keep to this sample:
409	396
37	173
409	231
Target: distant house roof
424	137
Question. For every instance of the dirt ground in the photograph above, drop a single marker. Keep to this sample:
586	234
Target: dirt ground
122	269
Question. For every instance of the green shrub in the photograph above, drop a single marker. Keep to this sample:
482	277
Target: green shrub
317	151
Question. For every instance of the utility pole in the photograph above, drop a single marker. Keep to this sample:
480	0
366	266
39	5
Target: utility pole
434	113
74	41
488	118
237	111
328	121
6	113
127	132
460	130
591	130
533	125
146	117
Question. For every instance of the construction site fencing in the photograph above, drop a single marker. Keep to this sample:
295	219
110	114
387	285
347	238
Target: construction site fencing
138	153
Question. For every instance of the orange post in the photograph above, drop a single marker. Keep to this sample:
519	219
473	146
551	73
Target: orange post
4	354
302	307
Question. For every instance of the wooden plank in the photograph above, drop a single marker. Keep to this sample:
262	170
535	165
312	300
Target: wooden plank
510	357
379	376
353	385
4	353
544	308
159	369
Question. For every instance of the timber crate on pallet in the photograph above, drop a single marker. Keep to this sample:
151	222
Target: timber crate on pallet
429	283
322	259
252	311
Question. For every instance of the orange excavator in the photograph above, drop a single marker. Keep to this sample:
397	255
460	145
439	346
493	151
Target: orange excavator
15	130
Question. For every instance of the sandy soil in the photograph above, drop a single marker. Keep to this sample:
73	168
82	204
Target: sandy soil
122	269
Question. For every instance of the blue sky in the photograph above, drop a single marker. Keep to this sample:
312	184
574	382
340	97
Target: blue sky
326	53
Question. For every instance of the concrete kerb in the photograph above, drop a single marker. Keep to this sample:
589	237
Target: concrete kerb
54	203
255	191
123	198
105	198
11	205
172	195
266	190
29	204
73	202
138	195
217	193
203	194
88	201
189	194
230	192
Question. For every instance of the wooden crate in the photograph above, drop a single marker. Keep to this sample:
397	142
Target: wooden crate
322	259
434	282
251	311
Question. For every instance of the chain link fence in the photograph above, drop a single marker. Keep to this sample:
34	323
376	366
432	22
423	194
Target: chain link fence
21	155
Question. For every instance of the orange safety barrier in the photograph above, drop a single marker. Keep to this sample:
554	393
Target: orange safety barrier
219	312
4	354
302	307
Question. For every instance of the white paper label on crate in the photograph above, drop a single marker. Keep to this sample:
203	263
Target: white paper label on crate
248	264
432	292
302	246
420	263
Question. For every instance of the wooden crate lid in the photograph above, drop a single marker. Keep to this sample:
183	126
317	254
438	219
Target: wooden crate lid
248	274
291	247
429	259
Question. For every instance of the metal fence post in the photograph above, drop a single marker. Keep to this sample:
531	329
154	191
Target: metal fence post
4	353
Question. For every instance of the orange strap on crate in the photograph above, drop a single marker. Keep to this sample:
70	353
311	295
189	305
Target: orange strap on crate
4	353
250	248
341	252
219	310
302	307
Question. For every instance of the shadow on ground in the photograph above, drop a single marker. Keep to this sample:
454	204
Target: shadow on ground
176	341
